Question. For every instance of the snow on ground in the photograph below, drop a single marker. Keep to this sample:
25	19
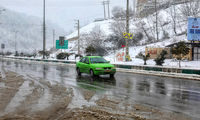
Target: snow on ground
133	51
104	26
168	63
165	25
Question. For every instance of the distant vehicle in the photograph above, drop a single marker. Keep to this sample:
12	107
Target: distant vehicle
95	65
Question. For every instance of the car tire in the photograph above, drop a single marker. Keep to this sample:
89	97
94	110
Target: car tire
112	75
78	72
92	73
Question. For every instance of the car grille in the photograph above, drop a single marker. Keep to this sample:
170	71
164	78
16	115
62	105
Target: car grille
107	68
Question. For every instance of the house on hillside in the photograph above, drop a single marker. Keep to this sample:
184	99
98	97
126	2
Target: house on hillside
193	55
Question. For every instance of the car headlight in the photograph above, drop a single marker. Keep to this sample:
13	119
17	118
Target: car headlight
98	68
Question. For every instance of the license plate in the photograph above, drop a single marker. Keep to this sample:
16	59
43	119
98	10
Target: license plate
107	70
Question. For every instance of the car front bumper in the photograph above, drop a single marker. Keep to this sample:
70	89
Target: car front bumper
104	72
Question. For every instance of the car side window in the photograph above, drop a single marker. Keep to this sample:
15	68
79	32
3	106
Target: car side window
82	60
86	61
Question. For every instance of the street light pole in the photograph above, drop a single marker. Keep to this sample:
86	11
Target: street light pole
127	30
53	38
104	6
78	29
44	32
15	42
108	2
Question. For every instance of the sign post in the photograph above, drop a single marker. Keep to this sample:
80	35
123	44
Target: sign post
127	36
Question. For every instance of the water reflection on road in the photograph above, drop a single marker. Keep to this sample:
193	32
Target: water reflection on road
166	93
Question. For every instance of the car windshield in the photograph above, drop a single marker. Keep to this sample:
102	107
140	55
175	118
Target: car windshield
98	60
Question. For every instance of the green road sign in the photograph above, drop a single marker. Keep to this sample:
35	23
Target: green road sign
62	46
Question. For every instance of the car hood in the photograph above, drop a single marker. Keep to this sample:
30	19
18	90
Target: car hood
101	65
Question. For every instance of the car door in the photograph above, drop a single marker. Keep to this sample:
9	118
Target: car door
86	65
81	64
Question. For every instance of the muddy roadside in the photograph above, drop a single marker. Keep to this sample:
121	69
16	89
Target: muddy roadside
23	98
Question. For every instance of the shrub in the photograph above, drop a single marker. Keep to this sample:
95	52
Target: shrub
180	50
143	57
63	56
78	55
46	53
90	50
16	53
161	58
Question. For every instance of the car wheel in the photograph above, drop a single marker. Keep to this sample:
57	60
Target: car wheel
92	73
112	75
78	72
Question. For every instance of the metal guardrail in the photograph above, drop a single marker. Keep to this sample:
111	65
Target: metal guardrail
160	69
43	60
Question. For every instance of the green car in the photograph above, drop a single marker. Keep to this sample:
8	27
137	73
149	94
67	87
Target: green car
95	65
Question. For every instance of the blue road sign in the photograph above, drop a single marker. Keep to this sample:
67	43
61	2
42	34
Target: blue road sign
193	32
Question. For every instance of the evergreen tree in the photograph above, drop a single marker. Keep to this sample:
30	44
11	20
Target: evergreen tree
161	58
180	50
90	50
63	55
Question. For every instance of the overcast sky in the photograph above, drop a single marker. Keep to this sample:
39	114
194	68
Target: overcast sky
62	12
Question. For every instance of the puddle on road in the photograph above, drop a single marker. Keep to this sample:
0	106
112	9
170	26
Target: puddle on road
19	97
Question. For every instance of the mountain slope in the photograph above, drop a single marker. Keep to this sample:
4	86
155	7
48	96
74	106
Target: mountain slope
146	26
26	31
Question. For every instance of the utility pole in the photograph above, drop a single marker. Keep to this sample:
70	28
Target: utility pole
108	2
44	32
174	19
127	30
104	6
134	7
78	29
15	42
156	20
53	38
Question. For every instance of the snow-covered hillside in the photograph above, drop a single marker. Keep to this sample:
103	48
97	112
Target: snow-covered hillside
168	32
25	30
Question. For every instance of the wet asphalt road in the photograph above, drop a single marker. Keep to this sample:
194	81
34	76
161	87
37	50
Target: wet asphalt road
177	95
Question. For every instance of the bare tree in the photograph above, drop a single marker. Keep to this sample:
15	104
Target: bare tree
96	39
190	8
118	12
156	21
118	27
141	25
173	16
